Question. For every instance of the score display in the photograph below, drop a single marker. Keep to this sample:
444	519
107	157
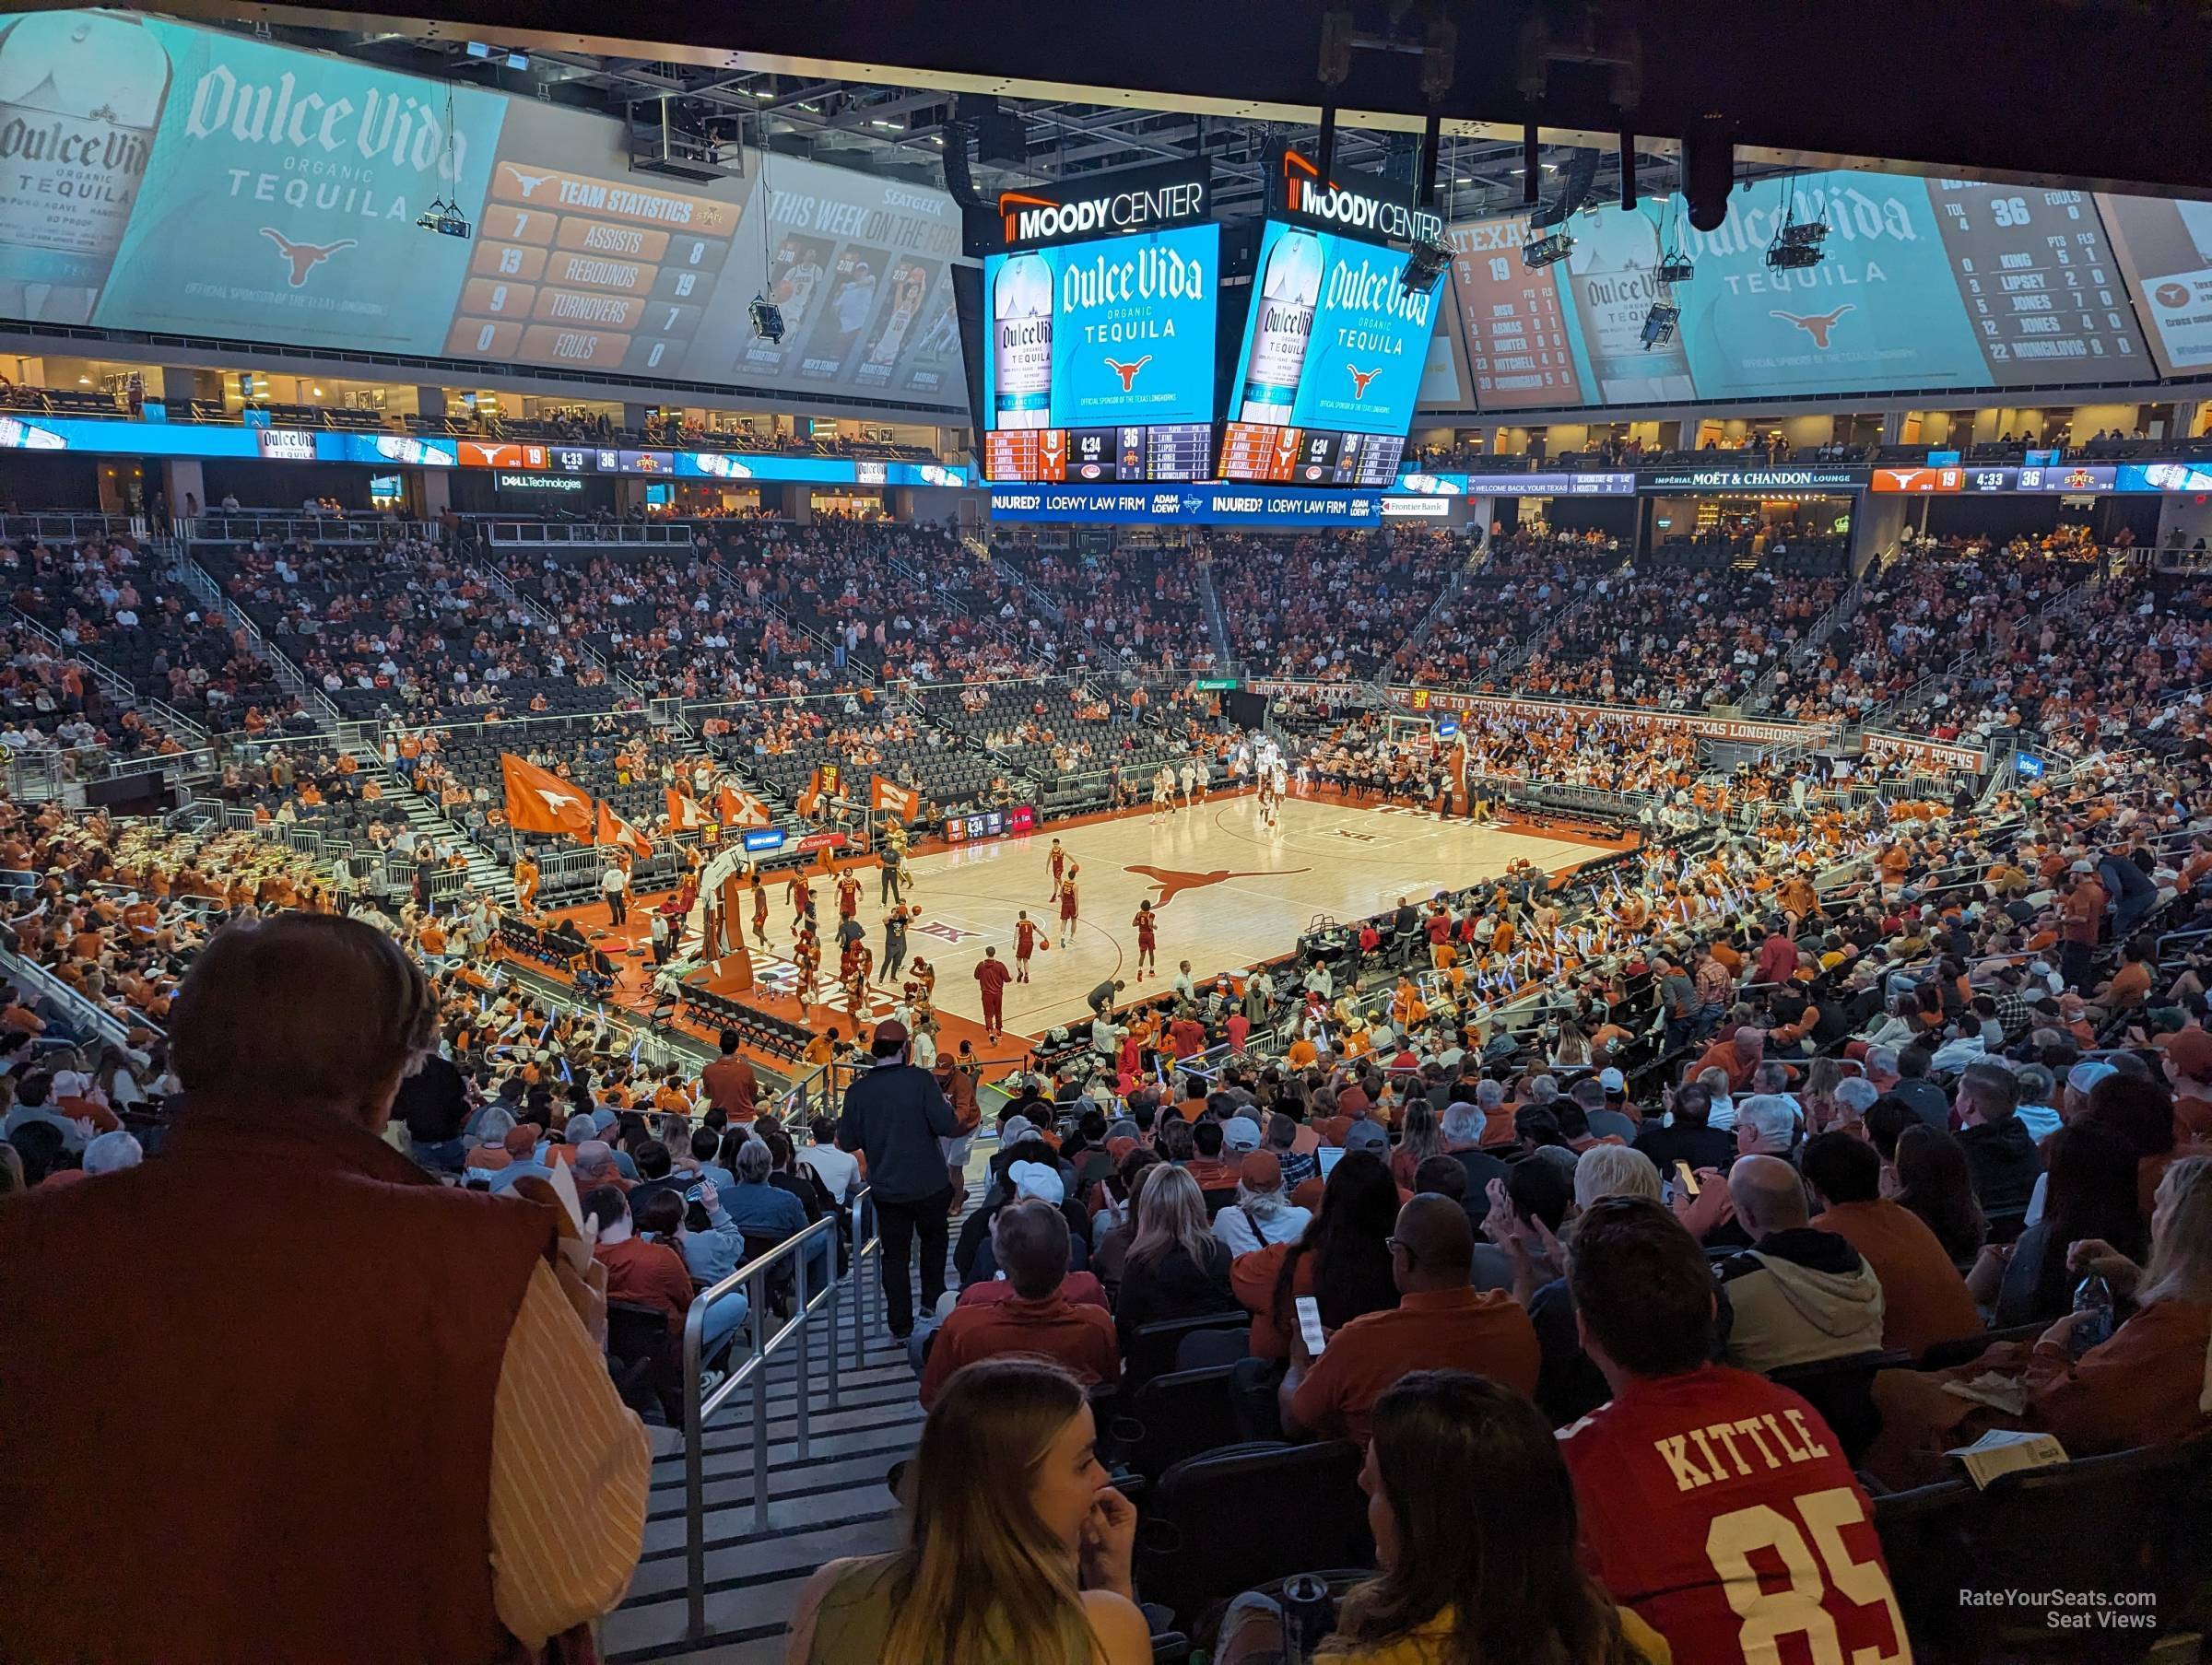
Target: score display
1516	334
1932	284
216	184
1103	455
2041	284
2165	248
990	824
1302	456
1330	365
1100	365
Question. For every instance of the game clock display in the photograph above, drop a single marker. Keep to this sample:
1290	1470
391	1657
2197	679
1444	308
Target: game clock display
991	824
1174	451
1306	456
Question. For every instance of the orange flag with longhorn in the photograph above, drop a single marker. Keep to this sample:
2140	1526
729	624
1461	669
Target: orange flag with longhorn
539	801
887	794
614	831
739	807
686	813
820	785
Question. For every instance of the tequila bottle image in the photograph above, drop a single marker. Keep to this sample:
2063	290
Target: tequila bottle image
1611	270
80	95
1288	290
1021	343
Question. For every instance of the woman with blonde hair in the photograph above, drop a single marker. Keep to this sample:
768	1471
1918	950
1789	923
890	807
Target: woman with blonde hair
1817	1098
1177	1268
1017	1545
2142	1385
1421	1139
1570	1047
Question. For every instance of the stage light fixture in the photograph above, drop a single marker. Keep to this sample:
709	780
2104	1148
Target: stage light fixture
1796	247
443	214
445	218
1539	252
1660	323
1425	264
1797	244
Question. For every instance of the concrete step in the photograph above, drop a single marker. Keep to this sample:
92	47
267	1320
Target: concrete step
749	1595
832	1504
861	1465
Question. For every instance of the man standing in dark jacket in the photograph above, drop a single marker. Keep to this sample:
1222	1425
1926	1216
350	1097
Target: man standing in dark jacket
895	1114
2001	1157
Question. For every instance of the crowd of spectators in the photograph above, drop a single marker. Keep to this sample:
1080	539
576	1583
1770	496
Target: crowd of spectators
1934	605
1127	605
106	600
1675	639
51	702
1329	608
1883	1118
405	631
1811	1102
693	625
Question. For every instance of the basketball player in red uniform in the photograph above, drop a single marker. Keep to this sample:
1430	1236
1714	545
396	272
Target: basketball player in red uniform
807	955
1147	946
1056	859
1027	940
848	896
760	911
1067	907
991	980
1716	1504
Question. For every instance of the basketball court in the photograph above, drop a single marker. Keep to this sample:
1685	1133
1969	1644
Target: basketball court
1227	890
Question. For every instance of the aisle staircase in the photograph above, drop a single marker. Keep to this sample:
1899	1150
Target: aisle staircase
835	1502
1216	623
1440	609
486	876
574	641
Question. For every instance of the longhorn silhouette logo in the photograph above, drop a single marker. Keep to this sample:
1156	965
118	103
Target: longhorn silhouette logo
1127	372
528	181
1361	379
305	257
1172	882
1816	324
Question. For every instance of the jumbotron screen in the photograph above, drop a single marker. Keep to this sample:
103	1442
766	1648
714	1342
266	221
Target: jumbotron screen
1922	283
1331	363
216	184
1100	360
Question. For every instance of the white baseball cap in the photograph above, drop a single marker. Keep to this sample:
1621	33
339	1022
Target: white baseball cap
1039	1179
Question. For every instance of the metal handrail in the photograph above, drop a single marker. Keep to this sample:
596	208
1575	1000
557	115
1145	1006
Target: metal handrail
753	1373
499	531
246	525
27	973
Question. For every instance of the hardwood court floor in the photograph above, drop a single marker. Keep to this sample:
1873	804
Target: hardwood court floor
1236	892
